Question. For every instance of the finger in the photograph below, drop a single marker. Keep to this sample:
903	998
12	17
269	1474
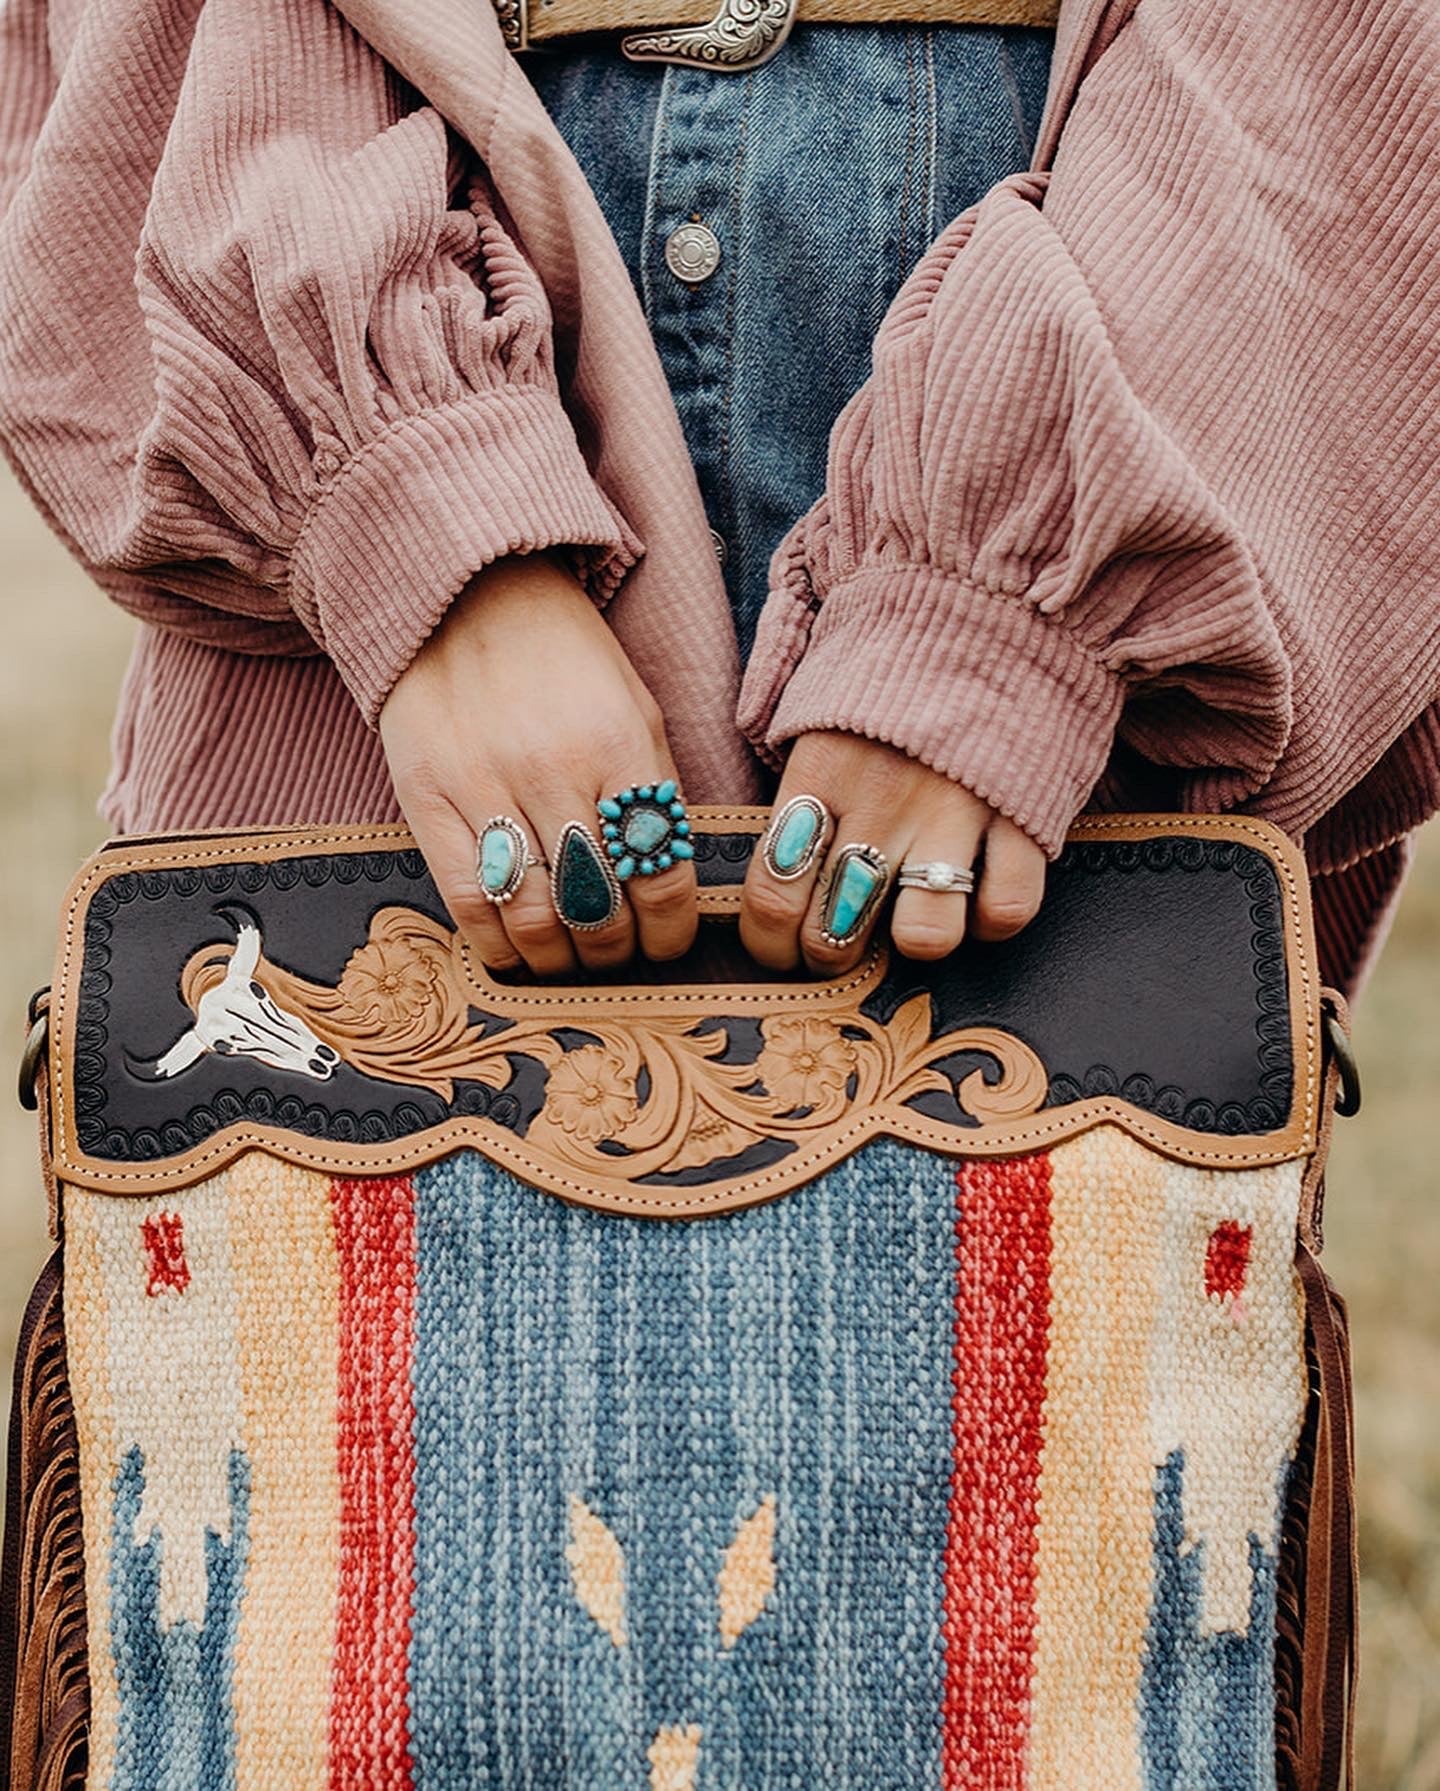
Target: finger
528	919
664	900
781	879
612	942
850	894
929	923
447	844
1012	882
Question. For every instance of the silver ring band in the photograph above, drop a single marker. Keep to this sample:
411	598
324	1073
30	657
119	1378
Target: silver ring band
937	877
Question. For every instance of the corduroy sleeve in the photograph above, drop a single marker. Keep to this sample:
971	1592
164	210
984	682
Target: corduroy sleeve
317	392
1141	453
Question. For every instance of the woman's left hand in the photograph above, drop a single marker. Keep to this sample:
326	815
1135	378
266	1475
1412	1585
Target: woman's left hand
879	797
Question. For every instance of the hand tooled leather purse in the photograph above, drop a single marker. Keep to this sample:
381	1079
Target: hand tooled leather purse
922	1378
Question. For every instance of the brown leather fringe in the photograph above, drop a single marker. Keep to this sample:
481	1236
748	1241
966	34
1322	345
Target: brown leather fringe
1316	1619
44	1676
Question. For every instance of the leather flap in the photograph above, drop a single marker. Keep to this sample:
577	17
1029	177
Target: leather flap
304	993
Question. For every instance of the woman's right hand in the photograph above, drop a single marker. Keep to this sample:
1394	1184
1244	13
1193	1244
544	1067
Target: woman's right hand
522	703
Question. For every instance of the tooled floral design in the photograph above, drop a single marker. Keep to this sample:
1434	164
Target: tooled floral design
647	1093
804	1061
387	982
591	1094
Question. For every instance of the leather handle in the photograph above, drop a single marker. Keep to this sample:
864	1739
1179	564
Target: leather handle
725	841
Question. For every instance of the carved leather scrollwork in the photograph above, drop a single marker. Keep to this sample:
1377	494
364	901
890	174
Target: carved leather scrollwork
628	1098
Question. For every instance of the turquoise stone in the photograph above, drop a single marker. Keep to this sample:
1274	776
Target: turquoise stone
625	869
645	830
795	841
645	792
665	792
663	862
682	828
681	849
851	896
585	894
498	858
615	849
610	808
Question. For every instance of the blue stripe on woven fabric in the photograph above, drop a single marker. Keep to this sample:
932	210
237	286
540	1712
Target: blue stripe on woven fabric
176	1728
1207	1702
671	1376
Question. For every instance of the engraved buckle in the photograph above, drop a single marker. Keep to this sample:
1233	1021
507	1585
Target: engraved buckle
742	35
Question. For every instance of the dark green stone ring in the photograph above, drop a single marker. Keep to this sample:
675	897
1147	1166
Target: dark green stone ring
645	829
582	884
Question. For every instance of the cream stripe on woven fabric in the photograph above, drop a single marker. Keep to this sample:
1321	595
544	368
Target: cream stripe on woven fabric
87	1352
185	1421
1228	1382
286	1280
1097	1483
155	1291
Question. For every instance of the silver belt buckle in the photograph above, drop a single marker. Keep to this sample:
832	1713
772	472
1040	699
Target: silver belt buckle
742	35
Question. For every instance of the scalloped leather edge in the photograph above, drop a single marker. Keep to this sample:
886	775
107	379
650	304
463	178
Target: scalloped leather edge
1298	1138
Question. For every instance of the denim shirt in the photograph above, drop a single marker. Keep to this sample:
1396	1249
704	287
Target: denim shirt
817	180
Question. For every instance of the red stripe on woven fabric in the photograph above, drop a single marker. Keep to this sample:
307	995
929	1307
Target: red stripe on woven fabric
375	1243
1002	1255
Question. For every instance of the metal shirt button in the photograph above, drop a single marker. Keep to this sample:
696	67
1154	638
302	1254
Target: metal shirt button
692	253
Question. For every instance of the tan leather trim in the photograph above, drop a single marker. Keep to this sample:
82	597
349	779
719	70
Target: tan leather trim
549	19
656	1009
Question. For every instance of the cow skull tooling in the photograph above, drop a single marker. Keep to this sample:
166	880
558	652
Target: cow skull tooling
239	1017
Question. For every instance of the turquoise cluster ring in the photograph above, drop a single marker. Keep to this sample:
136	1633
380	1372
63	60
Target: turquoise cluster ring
859	876
645	829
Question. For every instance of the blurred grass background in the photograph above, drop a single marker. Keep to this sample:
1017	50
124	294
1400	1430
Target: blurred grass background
60	676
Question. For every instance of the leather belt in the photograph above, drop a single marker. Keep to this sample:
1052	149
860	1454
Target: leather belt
742	33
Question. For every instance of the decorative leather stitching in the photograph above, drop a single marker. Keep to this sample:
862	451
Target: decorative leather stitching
1068	1120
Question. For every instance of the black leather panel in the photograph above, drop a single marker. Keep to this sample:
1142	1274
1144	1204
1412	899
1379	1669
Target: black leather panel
1156	972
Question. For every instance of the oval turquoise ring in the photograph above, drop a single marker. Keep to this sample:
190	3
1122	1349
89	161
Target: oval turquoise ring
645	829
794	837
502	857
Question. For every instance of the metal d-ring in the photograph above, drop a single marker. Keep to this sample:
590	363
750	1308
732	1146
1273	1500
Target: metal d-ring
36	1044
742	35
1337	1040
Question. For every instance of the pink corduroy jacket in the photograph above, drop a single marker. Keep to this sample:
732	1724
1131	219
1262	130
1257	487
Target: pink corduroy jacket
306	313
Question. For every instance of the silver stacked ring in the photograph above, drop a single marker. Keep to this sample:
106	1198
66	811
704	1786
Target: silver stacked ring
938	877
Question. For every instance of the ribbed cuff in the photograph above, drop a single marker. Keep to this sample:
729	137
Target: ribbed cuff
422	508
977	685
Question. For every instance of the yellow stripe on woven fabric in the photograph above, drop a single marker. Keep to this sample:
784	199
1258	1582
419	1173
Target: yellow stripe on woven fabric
1095	1515
1228	1378
287	1282
87	1356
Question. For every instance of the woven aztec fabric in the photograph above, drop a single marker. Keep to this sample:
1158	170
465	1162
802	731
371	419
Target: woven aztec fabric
931	1474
